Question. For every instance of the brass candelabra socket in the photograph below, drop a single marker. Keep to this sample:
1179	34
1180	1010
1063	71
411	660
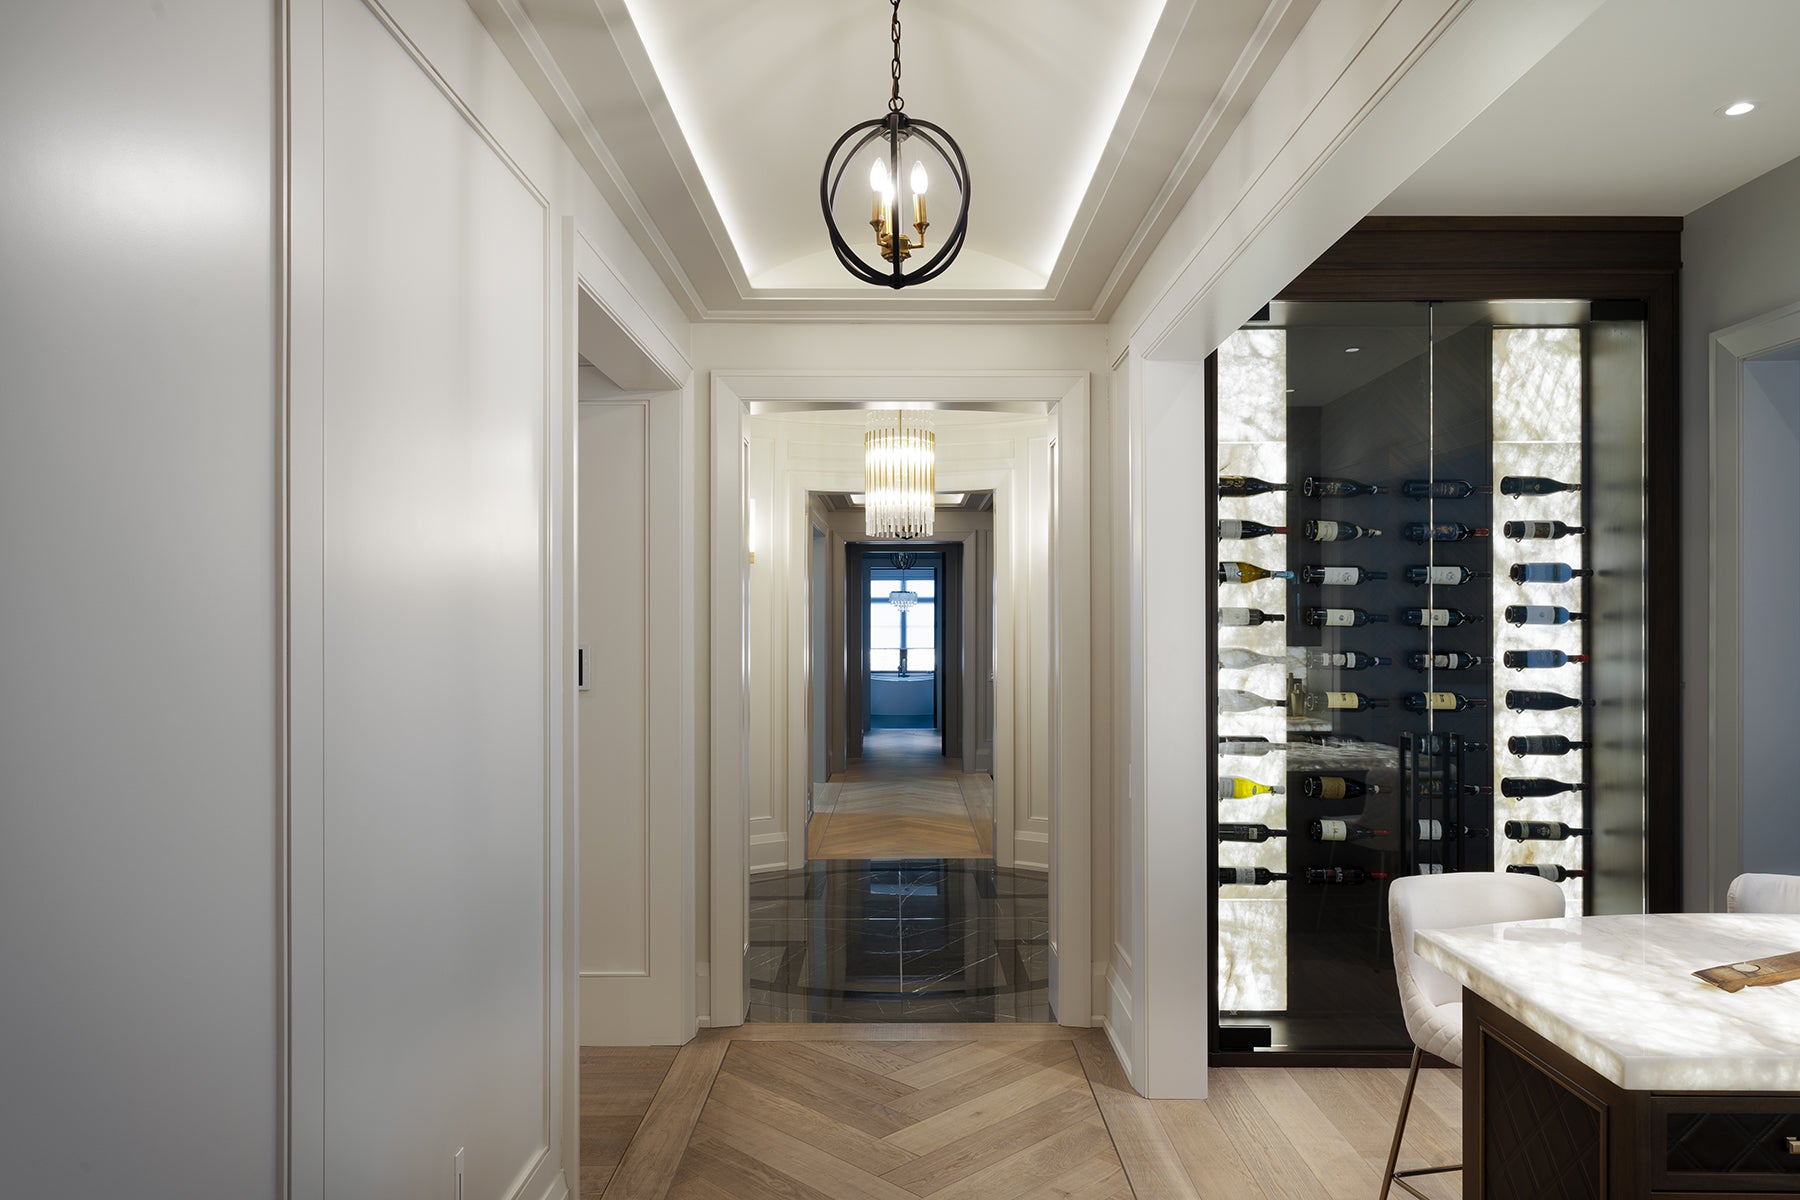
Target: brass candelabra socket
884	240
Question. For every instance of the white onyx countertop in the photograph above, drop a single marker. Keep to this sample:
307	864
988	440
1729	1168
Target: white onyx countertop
1617	993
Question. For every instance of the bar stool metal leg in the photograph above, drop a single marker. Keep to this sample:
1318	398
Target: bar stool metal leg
1390	1176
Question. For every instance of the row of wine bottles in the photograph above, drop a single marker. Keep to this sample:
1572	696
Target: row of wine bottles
1420	618
1322	486
1413	531
1441	575
1554	744
1262	876
1339	787
1234	700
1426	829
1237	658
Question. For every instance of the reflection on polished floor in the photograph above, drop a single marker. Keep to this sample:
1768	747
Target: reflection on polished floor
899	940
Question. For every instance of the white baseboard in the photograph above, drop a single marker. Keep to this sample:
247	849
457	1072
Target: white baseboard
1031	850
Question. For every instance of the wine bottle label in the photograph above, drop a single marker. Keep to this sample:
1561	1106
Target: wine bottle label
1431	868
1440	700
1536	529
1331	787
1532	614
1231	529
1431	831
1444	575
1337	575
1325	531
1235	616
1342	700
1334	831
1338	616
1238	874
1233	572
1434	616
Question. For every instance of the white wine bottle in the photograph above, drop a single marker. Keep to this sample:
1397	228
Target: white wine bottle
1236	787
1232	700
1247	616
1243	572
1237	658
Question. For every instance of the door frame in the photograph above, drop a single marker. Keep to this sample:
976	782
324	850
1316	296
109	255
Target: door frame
1061	395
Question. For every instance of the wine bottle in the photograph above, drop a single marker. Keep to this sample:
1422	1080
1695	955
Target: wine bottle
1442	574
1232	700
1441	489
1340	616
1249	746
1329	829
1248	876
1540	530
1243	572
1343	701
1336	531
1426	868
1441	531
1247	485
1542	701
1551	871
1440	702
1541	831
1238	658
1534	485
1478	789
1334	787
1540	614
1430	829
1236	787
1546	572
1338	576
1342	875
1232	529
1521	788
1248	833
1519	660
1437	618
1348	660
1542	743
1325	485
1446	660
1247	616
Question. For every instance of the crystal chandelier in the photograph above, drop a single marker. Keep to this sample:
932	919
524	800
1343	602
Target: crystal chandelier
894	138
903	599
900	474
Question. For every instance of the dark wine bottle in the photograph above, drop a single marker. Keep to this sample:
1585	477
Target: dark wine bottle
1325	485
1550	871
1520	531
1248	833
1520	788
1339	576
1446	660
1540	614
1442	574
1545	572
1430	829
1542	743
1344	701
1342	875
1329	829
1334	787
1534	485
1519	660
1441	489
1542	701
1541	831
1441	531
1247	616
1336	531
1243	572
1248	876
1340	616
1440	702
1347	660
1233	529
1478	789
1437	618
1247	485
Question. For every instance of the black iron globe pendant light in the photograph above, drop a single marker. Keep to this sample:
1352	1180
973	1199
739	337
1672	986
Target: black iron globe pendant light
896	244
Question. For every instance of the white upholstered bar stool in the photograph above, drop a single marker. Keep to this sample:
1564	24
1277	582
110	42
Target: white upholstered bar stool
1430	1000
1755	893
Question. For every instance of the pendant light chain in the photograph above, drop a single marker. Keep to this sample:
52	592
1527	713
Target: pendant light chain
895	101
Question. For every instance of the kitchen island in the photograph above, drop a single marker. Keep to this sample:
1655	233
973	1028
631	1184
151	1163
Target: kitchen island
1596	1067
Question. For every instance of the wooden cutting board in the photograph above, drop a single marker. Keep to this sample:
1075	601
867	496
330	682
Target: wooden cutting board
1754	972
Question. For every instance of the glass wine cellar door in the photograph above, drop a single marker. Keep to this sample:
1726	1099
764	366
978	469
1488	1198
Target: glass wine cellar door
1429	605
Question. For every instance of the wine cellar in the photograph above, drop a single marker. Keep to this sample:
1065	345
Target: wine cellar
1433	610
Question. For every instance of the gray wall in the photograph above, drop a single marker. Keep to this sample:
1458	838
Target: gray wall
138	444
1740	259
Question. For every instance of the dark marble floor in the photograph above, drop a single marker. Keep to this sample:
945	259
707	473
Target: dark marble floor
910	940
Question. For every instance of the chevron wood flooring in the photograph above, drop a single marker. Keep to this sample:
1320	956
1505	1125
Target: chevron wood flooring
907	817
1005	1112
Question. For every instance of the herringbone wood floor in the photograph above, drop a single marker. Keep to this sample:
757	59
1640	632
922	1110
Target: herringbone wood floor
959	1112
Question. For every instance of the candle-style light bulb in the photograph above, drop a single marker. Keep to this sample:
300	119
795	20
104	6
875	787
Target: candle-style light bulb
918	193
878	176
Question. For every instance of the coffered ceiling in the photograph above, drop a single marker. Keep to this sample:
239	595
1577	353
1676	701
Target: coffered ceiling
706	124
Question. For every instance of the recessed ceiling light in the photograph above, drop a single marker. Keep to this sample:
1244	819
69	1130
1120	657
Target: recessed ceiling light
1738	109
1352	349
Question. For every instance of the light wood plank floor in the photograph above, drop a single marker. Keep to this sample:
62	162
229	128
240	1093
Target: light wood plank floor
902	799
1003	1112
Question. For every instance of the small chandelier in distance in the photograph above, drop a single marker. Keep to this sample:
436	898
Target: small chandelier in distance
900	478
892	136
